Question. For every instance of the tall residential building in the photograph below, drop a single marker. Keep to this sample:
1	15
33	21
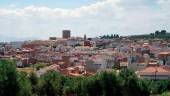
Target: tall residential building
66	34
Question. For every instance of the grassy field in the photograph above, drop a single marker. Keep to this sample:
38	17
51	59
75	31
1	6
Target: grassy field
27	70
165	94
40	65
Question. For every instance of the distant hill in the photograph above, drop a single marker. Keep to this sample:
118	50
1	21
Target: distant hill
163	34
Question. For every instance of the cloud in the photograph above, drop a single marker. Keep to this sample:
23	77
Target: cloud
104	17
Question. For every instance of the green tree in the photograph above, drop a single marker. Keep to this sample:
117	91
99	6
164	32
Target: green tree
163	32
96	86
80	86
70	86
117	36
9	86
110	84
93	87
131	85
34	80
144	88
158	87
152	35
112	36
157	32
51	84
24	84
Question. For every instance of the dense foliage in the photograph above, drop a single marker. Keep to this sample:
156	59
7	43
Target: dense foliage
126	83
163	34
109	36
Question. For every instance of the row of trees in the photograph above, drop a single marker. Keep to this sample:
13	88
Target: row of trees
126	83
163	34
109	36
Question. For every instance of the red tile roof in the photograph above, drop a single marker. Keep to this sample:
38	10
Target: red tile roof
152	70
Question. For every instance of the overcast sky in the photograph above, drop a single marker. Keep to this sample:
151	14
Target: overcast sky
39	19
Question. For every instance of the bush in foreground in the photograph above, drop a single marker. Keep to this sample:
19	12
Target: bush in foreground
126	83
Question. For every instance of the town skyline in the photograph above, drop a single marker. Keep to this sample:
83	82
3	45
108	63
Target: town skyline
84	48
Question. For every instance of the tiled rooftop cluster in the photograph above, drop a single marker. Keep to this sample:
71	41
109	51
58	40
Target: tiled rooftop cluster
85	56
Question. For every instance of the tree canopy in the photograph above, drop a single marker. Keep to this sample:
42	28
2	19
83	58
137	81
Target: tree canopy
52	83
